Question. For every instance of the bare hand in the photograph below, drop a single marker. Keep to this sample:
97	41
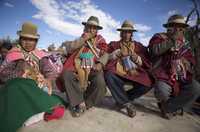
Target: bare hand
174	49
88	36
98	67
49	85
124	53
115	54
187	64
134	56
174	55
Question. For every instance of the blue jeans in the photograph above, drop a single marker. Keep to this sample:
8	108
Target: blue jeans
116	84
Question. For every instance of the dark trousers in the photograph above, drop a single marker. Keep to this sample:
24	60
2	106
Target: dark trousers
116	84
94	93
188	94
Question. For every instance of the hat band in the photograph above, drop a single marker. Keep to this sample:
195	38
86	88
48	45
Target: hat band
92	23
178	21
126	28
37	36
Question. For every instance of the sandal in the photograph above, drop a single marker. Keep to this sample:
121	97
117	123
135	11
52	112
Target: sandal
131	110
179	112
75	112
82	107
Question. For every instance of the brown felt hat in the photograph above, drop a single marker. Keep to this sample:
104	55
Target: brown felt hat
28	30
176	21
127	26
94	21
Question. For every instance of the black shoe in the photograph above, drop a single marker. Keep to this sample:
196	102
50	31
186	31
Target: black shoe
119	106
164	113
159	105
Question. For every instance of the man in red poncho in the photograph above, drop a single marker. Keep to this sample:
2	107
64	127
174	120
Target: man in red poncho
82	77
127	63
175	87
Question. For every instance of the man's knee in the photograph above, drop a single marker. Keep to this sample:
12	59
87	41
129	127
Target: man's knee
162	91
108	75
99	79
67	75
195	89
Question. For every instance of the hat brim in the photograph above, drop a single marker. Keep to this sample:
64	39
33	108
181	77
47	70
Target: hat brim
126	29
175	25
98	27
28	35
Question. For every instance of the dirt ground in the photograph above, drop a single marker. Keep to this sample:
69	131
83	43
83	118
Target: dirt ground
105	118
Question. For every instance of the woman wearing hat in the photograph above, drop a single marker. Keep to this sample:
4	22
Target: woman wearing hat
25	82
175	87
82	74
127	63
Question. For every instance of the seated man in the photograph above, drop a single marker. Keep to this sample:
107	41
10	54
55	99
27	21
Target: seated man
175	87
128	63
82	76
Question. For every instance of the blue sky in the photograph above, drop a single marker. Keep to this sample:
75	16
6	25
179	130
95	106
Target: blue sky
60	20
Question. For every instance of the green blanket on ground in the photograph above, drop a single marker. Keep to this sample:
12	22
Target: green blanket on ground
20	99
